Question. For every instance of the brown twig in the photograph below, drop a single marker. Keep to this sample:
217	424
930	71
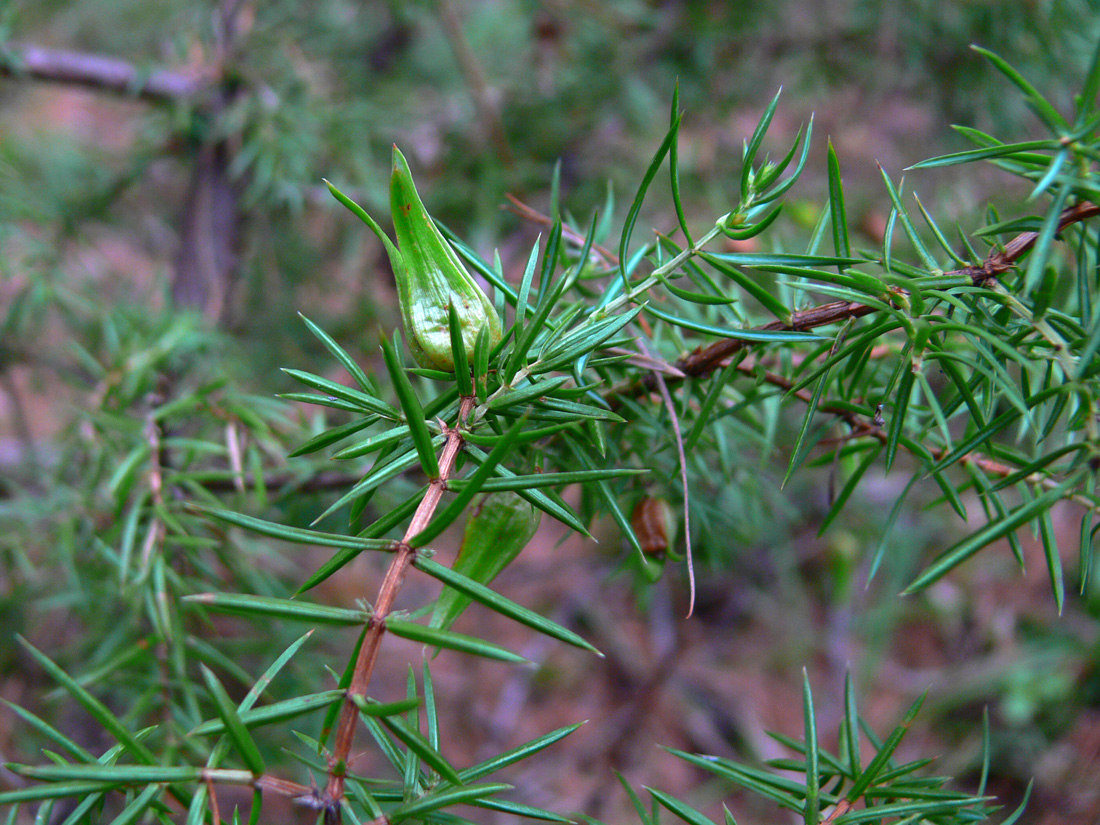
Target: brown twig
213	796
283	787
97	71
853	419
207	260
842	807
518	207
860	427
376	627
707	359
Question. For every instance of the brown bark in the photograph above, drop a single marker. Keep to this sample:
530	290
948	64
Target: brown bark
206	264
97	71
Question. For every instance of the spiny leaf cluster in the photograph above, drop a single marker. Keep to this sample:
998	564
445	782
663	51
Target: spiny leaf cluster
971	366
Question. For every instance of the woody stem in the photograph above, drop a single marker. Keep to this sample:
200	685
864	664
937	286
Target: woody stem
376	627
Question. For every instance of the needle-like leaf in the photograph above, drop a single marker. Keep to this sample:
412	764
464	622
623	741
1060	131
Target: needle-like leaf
242	604
232	723
451	640
414	412
494	601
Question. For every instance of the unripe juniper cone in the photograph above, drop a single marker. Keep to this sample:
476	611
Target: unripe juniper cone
497	529
430	277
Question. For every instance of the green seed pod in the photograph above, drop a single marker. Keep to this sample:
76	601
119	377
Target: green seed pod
434	278
498	528
430	276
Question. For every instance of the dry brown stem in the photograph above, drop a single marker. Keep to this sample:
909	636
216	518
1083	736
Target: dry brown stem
860	426
518	207
705	360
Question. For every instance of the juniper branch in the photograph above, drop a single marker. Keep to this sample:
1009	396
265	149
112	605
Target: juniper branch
705	360
376	627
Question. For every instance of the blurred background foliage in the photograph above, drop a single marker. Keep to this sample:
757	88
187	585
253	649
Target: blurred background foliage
154	249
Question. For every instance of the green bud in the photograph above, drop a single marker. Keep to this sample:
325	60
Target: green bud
498	528
430	277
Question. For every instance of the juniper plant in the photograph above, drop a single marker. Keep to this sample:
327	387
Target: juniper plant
626	369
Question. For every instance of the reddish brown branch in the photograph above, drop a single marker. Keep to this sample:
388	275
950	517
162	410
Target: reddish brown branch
97	71
861	427
518	207
842	807
387	594
1002	261
705	360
